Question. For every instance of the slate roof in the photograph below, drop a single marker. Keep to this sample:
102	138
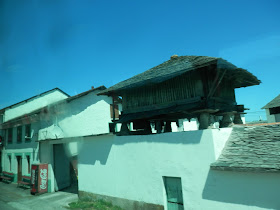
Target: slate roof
251	148
178	65
274	103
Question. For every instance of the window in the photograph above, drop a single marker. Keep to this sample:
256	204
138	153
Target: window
274	110
3	137
19	133
28	163
10	135
28	132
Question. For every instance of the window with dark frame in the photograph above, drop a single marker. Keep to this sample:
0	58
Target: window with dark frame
274	110
19	133
28	163
10	135
28	132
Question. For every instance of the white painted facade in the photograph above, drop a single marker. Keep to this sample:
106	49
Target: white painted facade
33	104
27	149
133	167
87	115
67	123
23	149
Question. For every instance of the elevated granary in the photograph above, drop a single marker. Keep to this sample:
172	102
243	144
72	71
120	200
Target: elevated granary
183	87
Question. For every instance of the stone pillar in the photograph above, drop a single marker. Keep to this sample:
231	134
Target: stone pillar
226	121
148	128
124	129
211	121
158	126
204	120
167	127
237	119
180	124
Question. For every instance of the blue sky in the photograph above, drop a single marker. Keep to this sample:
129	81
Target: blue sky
74	45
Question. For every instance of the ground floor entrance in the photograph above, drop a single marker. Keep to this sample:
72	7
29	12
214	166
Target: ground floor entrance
61	167
19	168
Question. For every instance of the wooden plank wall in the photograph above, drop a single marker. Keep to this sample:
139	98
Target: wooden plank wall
182	87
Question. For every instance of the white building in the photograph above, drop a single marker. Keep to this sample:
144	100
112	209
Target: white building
272	110
19	125
66	124
172	170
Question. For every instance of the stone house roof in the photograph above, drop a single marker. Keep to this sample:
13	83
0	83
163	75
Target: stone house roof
251	148
274	103
41	94
42	109
178	65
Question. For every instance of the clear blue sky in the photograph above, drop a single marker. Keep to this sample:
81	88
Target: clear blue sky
74	45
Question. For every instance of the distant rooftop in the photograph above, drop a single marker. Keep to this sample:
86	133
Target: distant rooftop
41	94
274	103
56	103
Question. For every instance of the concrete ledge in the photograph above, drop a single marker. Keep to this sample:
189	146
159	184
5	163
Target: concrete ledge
121	202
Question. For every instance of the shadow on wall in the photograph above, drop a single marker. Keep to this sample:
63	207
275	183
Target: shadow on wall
103	144
185	137
251	189
101	154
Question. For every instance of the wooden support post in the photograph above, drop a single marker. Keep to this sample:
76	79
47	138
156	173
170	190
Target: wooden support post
211	121
180	124
167	127
204	121
158	126
124	129
226	121
148	128
237	119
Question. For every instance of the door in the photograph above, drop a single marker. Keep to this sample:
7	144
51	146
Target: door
61	167
19	168
174	194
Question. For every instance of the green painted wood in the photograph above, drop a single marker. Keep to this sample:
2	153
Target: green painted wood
173	187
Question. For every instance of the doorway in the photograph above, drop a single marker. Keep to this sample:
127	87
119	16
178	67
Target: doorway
61	167
174	195
19	168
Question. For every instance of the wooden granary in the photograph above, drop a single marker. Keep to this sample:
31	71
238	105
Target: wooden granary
183	87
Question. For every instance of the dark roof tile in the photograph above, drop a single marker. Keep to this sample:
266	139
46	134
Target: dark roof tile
179	65
251	148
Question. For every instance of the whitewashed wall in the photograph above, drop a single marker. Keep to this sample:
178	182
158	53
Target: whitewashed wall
87	115
277	117
132	167
270	118
33	104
